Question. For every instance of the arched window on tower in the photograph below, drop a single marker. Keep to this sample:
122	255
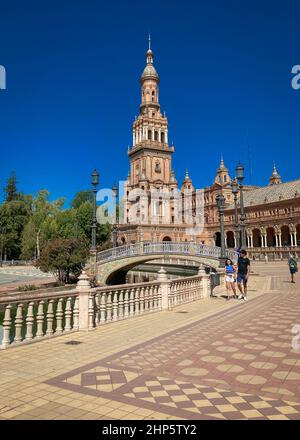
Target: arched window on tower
162	137
156	135
149	134
153	95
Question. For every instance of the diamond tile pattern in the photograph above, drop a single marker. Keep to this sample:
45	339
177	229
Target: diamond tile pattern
237	364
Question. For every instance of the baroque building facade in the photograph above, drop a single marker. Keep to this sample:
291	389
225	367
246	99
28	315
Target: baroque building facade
155	208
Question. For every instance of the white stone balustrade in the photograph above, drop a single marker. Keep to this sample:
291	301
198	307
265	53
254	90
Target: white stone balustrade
37	316
115	303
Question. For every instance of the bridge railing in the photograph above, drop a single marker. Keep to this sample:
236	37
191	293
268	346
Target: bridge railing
116	303
25	318
165	247
29	316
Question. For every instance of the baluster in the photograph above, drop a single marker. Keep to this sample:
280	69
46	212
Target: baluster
19	323
108	307
50	316
131	303
91	312
68	315
29	321
158	294
115	307
146	299
121	305
155	299
151	299
40	320
102	308
137	301
142	300
6	326
76	314
97	308
59	316
126	304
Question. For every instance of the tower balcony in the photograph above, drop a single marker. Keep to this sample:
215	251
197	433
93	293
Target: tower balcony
152	145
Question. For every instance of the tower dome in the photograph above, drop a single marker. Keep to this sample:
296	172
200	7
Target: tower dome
275	178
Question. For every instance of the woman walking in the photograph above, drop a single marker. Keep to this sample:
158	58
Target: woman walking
230	278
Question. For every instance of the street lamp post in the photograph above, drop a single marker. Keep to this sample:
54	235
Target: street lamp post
95	182
115	225
235	190
221	207
240	178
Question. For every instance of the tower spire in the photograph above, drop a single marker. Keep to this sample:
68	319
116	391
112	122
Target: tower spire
149	41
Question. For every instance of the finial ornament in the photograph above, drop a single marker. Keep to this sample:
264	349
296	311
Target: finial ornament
149	41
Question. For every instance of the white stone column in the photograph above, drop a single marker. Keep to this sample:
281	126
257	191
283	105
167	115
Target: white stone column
133	138
164	288
166	135
292	239
295	238
266	241
279	240
83	287
276	238
205	280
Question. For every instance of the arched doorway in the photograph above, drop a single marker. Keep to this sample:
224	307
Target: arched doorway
271	240
218	239
123	240
285	236
230	240
256	238
167	238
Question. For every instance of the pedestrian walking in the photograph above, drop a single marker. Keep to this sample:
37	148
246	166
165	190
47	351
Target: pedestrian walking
243	274
230	278
293	267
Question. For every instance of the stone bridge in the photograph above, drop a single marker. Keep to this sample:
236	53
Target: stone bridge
113	264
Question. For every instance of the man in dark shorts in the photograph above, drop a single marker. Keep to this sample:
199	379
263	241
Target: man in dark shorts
293	267
243	274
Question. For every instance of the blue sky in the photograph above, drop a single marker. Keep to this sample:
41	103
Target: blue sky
73	70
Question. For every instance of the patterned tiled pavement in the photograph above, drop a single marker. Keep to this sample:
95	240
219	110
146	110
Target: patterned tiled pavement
234	361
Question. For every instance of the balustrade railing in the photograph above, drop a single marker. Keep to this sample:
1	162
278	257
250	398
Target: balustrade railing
122	302
167	247
185	290
26	317
29	317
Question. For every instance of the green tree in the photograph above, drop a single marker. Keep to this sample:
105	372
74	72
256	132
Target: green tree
13	217
41	225
81	198
10	190
65	258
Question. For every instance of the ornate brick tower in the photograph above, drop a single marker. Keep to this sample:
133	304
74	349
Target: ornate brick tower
150	155
158	210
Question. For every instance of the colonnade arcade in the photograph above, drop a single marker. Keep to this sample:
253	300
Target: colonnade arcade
277	236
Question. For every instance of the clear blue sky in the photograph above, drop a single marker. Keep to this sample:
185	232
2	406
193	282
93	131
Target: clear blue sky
73	70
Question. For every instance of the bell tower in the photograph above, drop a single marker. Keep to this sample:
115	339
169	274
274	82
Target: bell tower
150	154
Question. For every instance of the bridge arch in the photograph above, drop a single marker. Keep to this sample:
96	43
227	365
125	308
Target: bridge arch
113	264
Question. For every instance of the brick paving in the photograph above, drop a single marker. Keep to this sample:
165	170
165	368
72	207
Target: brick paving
219	360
